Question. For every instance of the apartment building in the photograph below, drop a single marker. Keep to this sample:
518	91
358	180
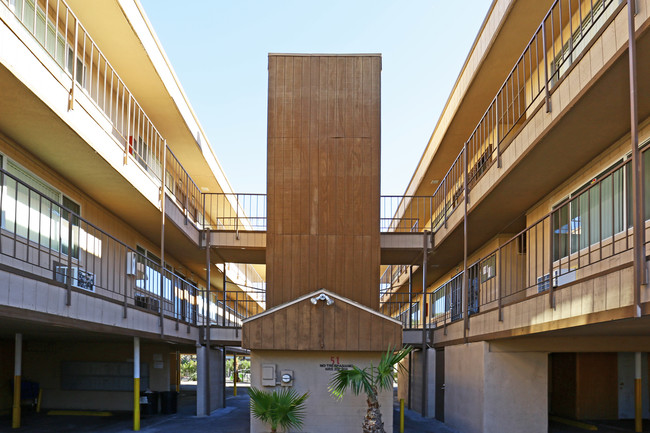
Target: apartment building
532	297
512	261
109	186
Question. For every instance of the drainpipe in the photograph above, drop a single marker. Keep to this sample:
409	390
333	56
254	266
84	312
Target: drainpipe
465	296
424	324
208	290
637	170
410	298
162	241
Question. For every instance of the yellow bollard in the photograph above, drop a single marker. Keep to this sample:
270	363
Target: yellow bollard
38	403
401	415
136	383
136	404
15	419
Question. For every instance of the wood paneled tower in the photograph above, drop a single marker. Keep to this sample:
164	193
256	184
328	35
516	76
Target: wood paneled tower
323	177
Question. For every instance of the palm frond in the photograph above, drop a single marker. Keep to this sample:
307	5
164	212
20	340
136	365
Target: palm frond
384	377
355	379
261	404
290	408
284	408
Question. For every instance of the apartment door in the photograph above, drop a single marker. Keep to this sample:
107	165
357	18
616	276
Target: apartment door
473	274
440	384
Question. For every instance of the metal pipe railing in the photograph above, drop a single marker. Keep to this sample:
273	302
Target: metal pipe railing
590	226
58	30
58	244
538	69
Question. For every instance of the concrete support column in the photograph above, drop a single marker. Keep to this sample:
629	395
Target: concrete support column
503	391
423	383
136	383
15	417
211	380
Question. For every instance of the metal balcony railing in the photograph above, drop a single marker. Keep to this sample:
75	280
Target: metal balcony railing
233	306
181	187
592	225
42	235
58	30
566	31
234	211
405	214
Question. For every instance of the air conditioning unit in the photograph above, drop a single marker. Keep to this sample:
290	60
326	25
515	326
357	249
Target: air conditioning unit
79	278
560	277
133	267
147	302
131	263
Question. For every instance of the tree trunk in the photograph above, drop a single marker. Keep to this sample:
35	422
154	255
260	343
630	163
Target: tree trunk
372	423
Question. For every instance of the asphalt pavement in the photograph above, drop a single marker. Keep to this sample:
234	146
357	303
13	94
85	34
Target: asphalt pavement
234	418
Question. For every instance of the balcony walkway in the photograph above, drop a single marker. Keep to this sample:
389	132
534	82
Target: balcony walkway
250	247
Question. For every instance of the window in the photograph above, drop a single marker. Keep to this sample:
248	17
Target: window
81	68
150	280
52	39
595	211
488	268
38	216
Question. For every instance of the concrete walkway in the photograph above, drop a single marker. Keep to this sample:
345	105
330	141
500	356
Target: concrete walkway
232	419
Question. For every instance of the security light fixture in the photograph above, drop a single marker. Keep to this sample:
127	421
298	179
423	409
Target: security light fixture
322	297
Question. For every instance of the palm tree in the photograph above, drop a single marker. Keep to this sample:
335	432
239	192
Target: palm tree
284	408
371	380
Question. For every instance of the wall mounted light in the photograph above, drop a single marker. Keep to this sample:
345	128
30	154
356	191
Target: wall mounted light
322	297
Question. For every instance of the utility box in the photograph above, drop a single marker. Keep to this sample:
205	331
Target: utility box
286	378
268	375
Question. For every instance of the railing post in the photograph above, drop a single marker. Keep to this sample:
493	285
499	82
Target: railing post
207	288
547	93
68	279
186	194
425	254
223	305
126	280
551	288
237	216
496	128
74	63
498	277
637	169
410	296
430	213
205	224
444	202
162	242
128	144
465	294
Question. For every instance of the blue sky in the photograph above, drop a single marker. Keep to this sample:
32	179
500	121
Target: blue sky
219	52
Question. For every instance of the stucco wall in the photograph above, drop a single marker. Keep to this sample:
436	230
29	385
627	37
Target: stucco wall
464	377
215	380
42	361
515	392
494	392
417	380
324	412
